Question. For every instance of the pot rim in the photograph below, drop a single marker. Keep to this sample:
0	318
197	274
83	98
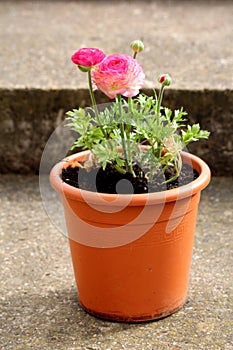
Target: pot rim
131	199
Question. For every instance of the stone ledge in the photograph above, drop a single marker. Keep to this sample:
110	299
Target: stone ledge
29	116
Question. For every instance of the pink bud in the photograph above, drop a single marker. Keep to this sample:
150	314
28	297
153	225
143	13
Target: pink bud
165	79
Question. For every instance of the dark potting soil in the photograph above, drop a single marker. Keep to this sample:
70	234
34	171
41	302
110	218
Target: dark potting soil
111	181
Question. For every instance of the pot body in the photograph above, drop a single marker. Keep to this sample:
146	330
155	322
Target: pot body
131	253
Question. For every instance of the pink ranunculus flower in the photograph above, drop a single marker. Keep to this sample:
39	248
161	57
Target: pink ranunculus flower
88	57
118	74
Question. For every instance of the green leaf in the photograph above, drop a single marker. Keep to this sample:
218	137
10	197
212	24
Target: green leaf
193	133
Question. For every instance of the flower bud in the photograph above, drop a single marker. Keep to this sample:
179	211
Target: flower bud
137	46
165	79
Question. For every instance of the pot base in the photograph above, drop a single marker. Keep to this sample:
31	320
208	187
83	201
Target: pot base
133	319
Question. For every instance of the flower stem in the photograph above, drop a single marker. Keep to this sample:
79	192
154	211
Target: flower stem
128	130
125	140
93	101
130	104
159	102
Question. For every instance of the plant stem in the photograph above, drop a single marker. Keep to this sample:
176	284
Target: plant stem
159	102
123	136
128	129
130	104
123	139
93	101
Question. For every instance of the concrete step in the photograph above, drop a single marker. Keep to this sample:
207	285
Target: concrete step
38	83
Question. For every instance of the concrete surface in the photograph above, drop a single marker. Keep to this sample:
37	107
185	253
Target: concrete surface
39	305
192	40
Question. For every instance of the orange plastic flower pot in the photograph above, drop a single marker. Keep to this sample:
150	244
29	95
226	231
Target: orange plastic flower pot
131	253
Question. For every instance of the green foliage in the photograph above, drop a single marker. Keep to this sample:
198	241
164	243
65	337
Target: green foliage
116	134
193	133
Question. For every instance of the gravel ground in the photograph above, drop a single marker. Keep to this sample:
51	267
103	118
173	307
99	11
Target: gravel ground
39	304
